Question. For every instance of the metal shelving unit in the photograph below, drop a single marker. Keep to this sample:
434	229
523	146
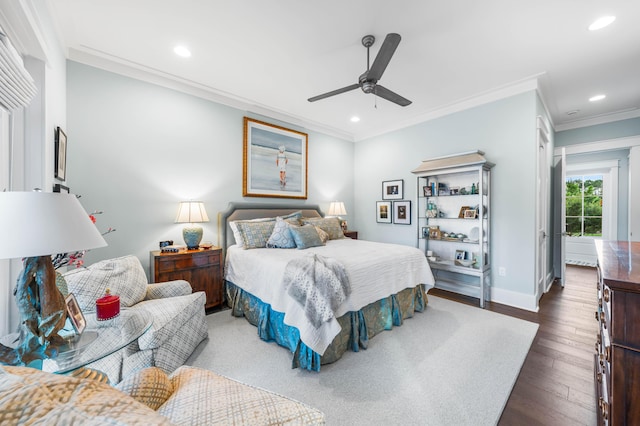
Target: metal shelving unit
454	197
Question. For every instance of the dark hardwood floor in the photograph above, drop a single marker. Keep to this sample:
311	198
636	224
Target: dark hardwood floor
555	385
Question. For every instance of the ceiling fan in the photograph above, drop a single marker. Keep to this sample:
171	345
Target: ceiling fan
368	81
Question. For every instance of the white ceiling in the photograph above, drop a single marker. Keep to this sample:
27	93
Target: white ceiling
269	56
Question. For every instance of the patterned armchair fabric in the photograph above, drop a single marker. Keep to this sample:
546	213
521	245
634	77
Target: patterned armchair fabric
178	315
189	396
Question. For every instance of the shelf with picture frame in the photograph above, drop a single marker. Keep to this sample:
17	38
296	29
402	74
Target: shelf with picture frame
453	221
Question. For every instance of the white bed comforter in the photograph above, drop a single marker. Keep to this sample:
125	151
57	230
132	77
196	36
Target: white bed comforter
376	270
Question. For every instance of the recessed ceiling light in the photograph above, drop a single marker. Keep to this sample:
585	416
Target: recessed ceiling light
182	51
355	119
597	98
601	23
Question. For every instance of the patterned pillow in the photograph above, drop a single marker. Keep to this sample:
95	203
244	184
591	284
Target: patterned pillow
150	386
254	233
123	276
30	396
306	236
330	225
281	236
323	235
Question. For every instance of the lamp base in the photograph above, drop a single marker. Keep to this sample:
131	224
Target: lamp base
42	314
192	236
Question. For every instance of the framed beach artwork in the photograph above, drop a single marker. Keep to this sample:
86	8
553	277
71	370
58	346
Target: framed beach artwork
274	161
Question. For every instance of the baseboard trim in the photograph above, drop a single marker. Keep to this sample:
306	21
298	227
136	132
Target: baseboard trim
527	302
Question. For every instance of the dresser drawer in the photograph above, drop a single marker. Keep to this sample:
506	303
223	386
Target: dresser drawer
196	261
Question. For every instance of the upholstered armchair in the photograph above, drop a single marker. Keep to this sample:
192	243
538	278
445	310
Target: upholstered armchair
178	315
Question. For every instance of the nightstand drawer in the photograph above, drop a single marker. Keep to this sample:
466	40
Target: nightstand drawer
195	261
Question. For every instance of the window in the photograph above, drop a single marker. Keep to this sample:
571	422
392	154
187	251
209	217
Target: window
584	205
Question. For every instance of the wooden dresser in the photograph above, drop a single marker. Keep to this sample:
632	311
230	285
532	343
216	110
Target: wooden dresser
200	267
617	358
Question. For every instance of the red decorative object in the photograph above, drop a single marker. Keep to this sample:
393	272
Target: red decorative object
107	307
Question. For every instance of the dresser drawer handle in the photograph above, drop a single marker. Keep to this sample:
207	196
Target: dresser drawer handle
602	319
606	295
599	377
604	409
607	353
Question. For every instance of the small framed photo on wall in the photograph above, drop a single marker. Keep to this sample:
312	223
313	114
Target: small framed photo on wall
383	211
61	155
402	212
393	189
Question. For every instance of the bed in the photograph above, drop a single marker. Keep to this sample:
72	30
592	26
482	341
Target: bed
374	286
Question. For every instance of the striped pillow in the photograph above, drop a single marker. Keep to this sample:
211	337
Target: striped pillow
330	225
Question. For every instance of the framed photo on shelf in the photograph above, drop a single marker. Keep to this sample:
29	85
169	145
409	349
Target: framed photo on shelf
61	155
393	190
402	212
75	314
470	213
463	209
425	232
434	233
274	161
383	211
426	190
460	254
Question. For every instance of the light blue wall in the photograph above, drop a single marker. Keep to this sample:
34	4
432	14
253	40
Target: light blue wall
505	131
600	132
136	149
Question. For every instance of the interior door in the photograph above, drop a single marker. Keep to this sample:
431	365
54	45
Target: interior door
560	222
542	222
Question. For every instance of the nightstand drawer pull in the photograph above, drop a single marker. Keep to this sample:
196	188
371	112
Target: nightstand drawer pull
606	295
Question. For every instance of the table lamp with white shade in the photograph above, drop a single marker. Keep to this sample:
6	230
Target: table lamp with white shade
33	226
336	208
192	212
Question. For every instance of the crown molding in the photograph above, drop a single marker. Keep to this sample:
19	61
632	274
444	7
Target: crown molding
600	119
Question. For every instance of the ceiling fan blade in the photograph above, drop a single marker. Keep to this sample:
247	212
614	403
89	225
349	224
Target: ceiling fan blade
385	53
387	94
334	92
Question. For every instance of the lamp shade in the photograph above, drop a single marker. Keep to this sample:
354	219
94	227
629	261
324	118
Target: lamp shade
44	223
336	208
191	212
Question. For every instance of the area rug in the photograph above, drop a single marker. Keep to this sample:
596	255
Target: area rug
450	365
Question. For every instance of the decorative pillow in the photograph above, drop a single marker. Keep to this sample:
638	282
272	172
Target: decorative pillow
305	236
30	396
323	235
254	233
123	276
281	236
150	386
330	225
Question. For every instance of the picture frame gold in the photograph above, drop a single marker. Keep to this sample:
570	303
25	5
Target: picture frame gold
274	162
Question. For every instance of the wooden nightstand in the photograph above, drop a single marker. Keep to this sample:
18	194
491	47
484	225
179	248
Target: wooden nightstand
351	234
200	267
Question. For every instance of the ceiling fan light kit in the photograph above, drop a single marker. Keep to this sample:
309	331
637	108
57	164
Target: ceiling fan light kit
368	81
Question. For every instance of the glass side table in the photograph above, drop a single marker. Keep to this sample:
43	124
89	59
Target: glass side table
99	339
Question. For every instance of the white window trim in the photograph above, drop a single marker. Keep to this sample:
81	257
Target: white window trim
609	171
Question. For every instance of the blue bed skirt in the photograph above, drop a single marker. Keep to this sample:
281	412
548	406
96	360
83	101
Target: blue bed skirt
357	327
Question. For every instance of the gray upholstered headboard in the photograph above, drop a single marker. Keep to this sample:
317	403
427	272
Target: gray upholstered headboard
244	211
